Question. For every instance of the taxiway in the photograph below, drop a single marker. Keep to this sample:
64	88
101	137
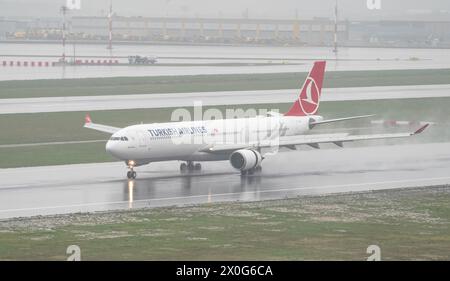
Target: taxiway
91	103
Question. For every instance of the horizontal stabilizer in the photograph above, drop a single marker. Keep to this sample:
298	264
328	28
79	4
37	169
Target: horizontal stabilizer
314	123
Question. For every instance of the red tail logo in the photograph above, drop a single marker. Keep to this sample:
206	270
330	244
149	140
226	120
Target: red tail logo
87	119
309	98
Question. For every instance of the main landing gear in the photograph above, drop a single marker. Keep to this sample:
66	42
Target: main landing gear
190	166
257	169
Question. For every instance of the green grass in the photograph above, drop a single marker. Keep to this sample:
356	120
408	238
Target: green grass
204	83
403	223
67	126
54	155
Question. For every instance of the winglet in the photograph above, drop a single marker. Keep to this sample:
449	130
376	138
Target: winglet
87	119
421	129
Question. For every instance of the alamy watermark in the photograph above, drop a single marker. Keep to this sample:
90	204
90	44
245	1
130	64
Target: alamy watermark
74	253
374	4
228	126
375	253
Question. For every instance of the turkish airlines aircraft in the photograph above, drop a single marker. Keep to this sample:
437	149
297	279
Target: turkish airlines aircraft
244	142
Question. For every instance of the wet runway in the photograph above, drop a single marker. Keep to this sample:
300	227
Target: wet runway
227	52
96	187
89	103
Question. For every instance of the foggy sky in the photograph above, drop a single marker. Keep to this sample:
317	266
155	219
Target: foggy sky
278	9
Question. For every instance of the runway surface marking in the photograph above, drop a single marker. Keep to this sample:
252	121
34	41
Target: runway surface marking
114	102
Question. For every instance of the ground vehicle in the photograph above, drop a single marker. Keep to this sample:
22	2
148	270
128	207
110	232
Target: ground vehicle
141	60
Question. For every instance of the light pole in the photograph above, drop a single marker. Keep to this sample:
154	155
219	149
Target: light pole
110	15
335	49
64	10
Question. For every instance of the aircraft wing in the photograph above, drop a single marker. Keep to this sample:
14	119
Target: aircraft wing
311	140
99	127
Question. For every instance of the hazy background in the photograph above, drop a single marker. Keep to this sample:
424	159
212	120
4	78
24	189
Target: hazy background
280	9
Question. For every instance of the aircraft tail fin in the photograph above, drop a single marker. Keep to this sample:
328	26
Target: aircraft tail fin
309	98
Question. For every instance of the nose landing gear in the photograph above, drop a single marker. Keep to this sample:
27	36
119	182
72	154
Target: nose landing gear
131	174
190	167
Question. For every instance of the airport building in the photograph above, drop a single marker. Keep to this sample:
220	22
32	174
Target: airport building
315	32
400	33
319	31
45	28
8	27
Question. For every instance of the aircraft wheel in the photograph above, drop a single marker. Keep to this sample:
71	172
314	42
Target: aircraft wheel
198	167
258	169
244	173
183	167
131	174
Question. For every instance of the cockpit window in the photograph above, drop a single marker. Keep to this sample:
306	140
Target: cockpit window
118	139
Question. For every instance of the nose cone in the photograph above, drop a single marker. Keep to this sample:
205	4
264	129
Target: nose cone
112	148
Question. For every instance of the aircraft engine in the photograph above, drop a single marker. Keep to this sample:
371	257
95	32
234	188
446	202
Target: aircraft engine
245	159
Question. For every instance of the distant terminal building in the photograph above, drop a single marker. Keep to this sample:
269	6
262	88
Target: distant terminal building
47	28
317	31
400	33
7	27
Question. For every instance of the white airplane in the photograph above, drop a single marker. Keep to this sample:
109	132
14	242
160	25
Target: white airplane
244	142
